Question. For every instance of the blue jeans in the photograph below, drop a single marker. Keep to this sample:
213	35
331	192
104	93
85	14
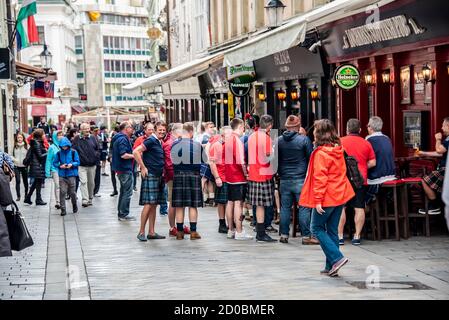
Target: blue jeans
164	207
290	191
126	192
325	228
269	216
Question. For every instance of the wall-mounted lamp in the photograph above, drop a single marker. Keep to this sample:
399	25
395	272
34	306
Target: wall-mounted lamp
447	66
261	95
369	78
225	101
219	101
314	94
386	77
427	73
281	95
294	94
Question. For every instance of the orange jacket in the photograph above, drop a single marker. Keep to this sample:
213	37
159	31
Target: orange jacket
326	182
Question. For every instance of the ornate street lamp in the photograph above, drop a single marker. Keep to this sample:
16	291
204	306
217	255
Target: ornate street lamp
275	13
262	96
281	95
427	73
314	94
46	58
369	79
386	77
294	94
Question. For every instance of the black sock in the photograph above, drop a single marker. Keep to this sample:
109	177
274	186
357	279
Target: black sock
260	229
222	222
180	226
193	226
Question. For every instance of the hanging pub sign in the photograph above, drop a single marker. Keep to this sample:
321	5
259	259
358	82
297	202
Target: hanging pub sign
244	73
239	89
347	77
5	65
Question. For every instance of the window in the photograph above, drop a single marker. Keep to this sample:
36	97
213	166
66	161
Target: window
107	65
116	42
138	43
81	88
105	42
41	34
78	42
128	66
117	66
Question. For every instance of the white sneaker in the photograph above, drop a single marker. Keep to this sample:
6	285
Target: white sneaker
431	211
243	236
231	234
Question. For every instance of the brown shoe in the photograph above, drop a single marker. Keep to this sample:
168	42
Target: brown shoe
310	241
180	235
194	235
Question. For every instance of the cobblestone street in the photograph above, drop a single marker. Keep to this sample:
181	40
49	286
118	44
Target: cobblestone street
91	255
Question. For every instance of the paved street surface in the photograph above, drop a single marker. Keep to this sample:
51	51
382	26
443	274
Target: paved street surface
91	255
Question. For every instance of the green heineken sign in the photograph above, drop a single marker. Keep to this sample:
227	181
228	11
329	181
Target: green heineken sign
347	77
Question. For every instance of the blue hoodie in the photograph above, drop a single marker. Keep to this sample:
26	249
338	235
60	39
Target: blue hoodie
52	151
68	156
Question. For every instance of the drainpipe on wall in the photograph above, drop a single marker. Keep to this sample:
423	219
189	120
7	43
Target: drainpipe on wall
168	35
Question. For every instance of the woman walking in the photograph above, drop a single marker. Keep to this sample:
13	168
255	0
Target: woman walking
326	190
50	170
19	153
37	167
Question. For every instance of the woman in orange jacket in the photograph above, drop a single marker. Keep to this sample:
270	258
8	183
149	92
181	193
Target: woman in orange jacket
326	190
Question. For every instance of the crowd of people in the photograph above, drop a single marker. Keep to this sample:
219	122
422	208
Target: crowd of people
238	168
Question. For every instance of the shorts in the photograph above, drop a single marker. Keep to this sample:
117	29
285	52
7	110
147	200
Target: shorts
103	155
152	191
435	179
358	201
187	190
221	194
237	192
261	193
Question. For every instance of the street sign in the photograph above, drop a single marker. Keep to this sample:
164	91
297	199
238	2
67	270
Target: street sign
5	64
347	77
240	89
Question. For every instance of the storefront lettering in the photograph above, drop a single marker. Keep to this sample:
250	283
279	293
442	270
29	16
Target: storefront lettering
281	58
384	30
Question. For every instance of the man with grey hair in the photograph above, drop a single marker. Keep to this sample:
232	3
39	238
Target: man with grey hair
357	147
385	168
89	153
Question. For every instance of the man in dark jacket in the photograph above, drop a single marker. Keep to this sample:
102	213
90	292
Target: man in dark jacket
294	153
122	165
89	153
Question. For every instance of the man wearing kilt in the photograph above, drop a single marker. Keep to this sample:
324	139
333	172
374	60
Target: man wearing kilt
433	182
187	156
218	169
150	157
260	174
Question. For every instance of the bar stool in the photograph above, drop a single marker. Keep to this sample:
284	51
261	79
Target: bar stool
410	183
398	210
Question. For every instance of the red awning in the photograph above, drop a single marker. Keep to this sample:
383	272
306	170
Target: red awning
38	110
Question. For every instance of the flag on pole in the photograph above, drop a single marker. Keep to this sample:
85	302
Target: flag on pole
43	89
26	26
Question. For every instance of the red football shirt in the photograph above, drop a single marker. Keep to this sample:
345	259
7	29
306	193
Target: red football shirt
234	152
260	148
361	150
216	154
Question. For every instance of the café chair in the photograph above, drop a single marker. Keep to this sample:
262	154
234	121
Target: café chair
410	185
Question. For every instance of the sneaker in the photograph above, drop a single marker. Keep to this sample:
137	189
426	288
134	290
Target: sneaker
28	201
141	237
41	203
341	242
105	174
194	235
172	232
115	193
155	237
231	234
75	209
63	212
57	206
85	204
18	199
186	230
127	218
337	266
223	229
97	195
326	272
265	238
431	211
243	236
270	229
356	242
283	239
180	235
310	241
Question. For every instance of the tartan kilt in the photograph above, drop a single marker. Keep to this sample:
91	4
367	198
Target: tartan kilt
187	190
152	190
435	179
261	193
205	172
221	194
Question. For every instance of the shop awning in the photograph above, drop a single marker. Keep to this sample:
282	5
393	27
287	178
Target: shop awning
293	32
38	110
27	70
191	69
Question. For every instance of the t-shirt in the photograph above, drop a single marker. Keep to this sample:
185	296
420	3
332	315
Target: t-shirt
217	155
357	147
234	155
153	156
446	146
259	166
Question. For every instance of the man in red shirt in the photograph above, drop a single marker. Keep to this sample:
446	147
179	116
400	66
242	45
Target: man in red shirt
261	172
218	169
236	179
363	152
149	130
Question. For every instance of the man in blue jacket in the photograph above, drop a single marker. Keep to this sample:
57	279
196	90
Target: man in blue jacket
67	162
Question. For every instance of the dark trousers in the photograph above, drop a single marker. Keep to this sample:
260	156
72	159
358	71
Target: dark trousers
67	186
114	181
21	171
97	178
37	185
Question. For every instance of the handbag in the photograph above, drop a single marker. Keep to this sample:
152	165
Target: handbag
19	236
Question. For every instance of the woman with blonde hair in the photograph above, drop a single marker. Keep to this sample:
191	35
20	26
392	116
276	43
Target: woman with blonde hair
18	154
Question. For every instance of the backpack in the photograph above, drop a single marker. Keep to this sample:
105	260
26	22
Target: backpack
353	173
